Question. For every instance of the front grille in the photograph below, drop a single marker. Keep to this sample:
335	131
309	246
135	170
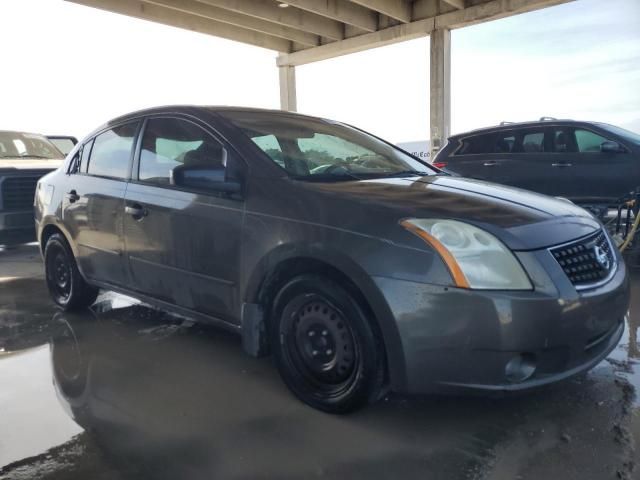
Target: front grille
17	220
588	261
18	192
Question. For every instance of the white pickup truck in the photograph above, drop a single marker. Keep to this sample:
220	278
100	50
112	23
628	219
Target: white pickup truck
24	158
418	149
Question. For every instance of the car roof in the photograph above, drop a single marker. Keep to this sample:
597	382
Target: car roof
516	125
191	109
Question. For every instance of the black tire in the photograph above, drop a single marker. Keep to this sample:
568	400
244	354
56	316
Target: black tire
325	347
65	283
69	363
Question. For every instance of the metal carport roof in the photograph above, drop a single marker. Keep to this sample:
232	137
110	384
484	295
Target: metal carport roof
305	31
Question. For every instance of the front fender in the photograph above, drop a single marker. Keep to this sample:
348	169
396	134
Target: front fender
258	267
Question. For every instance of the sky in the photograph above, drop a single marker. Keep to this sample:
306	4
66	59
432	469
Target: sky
71	68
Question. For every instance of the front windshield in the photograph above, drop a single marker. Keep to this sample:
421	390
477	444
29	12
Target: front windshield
626	134
27	145
314	149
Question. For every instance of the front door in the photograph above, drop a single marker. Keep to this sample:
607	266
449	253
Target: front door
183	244
596	176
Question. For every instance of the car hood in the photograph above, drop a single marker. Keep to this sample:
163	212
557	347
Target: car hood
13	164
521	219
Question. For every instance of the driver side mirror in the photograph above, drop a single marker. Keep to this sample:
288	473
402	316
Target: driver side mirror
611	147
205	178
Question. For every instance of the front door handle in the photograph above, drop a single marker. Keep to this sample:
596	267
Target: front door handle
136	211
72	196
561	165
491	163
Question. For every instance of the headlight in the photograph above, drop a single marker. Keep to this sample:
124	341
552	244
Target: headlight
475	258
44	194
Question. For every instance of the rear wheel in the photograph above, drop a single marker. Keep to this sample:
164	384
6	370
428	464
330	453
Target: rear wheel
65	283
325	347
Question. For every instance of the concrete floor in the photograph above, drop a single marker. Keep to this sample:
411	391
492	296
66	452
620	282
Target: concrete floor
126	392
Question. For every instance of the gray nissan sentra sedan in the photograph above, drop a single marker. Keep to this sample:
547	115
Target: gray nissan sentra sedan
359	267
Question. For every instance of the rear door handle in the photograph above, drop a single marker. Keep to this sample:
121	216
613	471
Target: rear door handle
136	211
491	163
72	196
561	165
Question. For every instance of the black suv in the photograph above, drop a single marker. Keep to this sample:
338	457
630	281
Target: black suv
587	162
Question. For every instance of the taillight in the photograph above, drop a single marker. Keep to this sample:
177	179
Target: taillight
440	164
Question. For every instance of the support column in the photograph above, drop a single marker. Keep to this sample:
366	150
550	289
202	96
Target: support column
288	88
440	88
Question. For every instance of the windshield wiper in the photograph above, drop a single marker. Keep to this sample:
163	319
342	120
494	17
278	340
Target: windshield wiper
26	156
407	173
327	177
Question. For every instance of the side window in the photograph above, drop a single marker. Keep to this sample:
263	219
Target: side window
588	142
562	141
533	142
505	142
475	145
111	152
170	145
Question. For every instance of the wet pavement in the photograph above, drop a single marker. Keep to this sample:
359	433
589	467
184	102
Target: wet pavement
125	391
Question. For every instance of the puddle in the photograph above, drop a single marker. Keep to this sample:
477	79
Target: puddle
172	399
28	394
626	357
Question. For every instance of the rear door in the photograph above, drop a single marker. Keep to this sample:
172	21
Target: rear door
512	157
93	204
183	244
524	164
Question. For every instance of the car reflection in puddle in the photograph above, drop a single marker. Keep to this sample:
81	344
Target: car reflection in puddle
178	399
182	400
162	397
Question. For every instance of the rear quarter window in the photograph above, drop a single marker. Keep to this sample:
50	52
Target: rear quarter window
269	145
475	145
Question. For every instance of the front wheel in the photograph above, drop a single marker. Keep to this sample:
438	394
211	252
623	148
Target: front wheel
325	348
65	283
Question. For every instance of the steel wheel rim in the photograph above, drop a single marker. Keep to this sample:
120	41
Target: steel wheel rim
59	274
320	344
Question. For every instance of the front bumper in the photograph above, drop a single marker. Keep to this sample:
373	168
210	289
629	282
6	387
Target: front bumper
17	227
454	339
